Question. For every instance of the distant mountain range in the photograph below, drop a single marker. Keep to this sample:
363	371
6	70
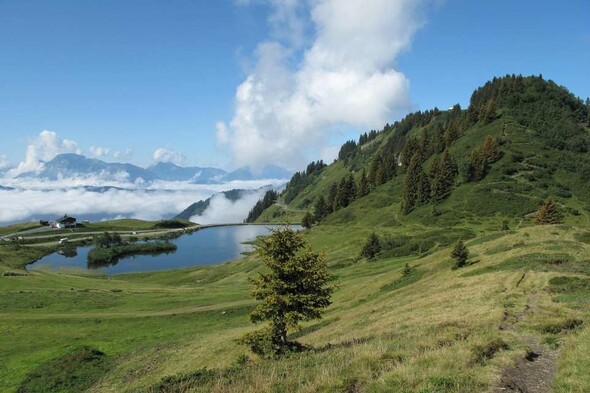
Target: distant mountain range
71	165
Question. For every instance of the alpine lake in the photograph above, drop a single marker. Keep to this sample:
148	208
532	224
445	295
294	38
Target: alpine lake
207	246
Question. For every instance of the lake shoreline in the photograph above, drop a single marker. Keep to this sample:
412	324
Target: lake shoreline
201	246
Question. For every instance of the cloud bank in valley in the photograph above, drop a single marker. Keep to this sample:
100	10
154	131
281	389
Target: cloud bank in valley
222	210
82	198
303	86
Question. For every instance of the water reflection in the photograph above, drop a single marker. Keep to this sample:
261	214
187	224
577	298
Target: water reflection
204	247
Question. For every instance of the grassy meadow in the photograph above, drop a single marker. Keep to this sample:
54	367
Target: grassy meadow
430	329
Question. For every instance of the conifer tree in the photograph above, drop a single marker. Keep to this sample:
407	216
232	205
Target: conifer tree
374	171
491	149
411	145
320	209
433	172
548	213
416	189
372	247
444	178
350	188
425	147
477	167
452	133
390	165
460	254
342	195
293	289
363	185
439	142
489	112
331	202
423	188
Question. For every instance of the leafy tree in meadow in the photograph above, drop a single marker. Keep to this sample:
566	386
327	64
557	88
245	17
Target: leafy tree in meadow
293	288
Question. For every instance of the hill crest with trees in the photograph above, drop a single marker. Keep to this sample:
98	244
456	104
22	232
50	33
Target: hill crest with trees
522	139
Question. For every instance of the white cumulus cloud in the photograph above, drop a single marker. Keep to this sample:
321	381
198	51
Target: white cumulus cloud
297	94
123	155
99	152
166	155
42	148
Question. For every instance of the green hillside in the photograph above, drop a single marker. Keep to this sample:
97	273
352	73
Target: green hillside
521	140
514	318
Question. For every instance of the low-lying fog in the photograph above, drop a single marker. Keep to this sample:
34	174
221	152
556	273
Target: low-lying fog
32	199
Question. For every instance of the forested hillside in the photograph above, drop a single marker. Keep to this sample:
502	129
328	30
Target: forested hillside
521	140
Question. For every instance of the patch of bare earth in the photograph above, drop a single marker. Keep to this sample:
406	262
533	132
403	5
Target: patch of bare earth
535	372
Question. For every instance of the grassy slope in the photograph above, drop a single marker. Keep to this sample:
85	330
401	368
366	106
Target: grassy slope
383	332
436	329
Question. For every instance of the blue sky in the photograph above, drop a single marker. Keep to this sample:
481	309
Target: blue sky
131	77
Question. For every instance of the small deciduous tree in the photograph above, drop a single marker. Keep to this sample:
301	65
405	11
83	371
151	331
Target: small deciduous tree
548	213
372	247
460	254
294	288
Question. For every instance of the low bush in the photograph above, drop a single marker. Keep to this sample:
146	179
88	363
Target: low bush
74	372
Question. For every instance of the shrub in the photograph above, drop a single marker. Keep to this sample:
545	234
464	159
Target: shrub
76	371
